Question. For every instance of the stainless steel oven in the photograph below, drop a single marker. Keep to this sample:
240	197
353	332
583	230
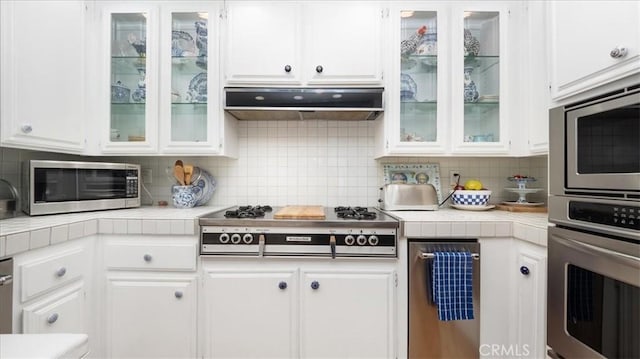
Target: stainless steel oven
68	186
593	297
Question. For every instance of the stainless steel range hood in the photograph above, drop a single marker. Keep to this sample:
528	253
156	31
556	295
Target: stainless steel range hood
355	104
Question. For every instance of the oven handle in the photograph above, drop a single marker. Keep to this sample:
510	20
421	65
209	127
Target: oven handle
634	261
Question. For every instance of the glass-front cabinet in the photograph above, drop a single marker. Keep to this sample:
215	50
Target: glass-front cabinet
158	78
478	80
447	86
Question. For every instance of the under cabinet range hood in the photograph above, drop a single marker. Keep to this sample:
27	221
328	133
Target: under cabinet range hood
355	104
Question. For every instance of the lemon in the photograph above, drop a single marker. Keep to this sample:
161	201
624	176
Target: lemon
473	185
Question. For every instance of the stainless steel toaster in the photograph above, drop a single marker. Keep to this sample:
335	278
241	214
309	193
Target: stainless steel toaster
409	197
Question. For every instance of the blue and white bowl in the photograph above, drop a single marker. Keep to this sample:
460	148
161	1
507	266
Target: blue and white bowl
471	198
185	196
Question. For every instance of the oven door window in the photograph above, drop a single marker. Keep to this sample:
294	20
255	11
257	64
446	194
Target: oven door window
608	141
603	313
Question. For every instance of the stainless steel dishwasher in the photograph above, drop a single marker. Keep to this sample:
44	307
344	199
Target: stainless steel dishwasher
6	295
428	336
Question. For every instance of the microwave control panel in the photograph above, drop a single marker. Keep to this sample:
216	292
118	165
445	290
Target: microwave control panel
607	214
132	183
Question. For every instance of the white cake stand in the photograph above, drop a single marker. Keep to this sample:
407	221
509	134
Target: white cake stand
522	192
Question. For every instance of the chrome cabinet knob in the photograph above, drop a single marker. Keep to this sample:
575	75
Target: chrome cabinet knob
618	52
319	69
52	318
178	294
147	257
315	285
287	68
282	285
26	128
524	270
61	272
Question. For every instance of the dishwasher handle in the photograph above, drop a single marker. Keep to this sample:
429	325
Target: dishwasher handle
423	255
6	279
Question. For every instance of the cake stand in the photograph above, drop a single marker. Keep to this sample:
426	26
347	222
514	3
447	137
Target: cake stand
522	192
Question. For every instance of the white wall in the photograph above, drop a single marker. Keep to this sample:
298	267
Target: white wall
326	163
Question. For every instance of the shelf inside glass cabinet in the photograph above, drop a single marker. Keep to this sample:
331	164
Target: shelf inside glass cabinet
481	64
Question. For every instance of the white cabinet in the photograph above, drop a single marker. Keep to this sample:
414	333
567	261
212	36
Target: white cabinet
303	43
157	89
42	65
251	313
313	309
585	41
345	314
53	290
451	70
530	299
150	301
151	317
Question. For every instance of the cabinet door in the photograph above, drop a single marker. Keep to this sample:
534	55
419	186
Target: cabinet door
130	60
531	296
342	43
263	42
251	314
582	43
479	78
347	314
151	317
61	312
189	91
43	73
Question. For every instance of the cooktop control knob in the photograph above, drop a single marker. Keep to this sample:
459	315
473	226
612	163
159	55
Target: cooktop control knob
362	240
235	238
247	238
373	240
224	238
349	240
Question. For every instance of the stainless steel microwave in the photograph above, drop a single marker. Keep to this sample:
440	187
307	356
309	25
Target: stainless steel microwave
67	186
594	147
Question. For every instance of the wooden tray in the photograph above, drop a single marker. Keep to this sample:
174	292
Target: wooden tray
504	207
300	212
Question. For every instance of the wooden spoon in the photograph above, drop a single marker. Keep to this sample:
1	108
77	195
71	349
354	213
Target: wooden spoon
188	171
178	172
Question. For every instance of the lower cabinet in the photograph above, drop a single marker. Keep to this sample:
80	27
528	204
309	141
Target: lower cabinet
62	312
151	317
150	302
262	308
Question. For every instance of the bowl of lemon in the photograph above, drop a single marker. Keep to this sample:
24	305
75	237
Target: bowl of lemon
472	193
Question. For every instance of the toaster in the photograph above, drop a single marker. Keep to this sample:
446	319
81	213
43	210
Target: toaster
408	197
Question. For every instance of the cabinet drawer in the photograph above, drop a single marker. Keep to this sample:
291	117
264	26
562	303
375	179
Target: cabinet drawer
51	272
148	256
64	313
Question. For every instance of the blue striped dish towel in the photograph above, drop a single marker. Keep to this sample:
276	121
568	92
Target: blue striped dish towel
453	285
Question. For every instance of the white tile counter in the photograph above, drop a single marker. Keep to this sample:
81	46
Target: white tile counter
24	233
449	222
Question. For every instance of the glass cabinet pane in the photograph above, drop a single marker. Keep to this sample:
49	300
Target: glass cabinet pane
128	76
189	76
418	76
481	76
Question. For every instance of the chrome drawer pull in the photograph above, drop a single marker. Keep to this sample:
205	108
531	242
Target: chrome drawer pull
147	258
61	272
178	294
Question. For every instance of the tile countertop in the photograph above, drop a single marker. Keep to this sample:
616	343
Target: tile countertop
449	222
24	233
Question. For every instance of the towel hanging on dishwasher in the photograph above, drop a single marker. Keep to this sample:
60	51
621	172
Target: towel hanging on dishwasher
452	281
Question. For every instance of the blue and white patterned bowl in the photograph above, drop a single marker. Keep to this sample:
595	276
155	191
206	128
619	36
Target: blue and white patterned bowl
185	196
471	198
203	179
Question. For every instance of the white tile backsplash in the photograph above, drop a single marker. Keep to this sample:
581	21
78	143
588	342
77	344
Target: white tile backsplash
326	163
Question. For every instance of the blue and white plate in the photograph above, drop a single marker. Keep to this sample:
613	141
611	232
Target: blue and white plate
204	180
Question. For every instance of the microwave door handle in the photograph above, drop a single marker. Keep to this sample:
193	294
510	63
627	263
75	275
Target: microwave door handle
631	260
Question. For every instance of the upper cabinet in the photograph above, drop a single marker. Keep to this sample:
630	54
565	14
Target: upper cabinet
598	44
157	95
447	89
303	42
42	67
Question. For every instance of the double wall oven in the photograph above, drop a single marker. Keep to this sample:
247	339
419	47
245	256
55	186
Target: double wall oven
594	245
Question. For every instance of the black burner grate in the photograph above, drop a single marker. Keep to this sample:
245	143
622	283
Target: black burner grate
354	213
248	212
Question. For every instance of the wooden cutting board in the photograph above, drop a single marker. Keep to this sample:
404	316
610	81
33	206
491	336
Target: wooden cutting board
300	212
504	207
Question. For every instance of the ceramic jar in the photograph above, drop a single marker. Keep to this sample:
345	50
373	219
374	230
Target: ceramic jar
470	90
185	196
